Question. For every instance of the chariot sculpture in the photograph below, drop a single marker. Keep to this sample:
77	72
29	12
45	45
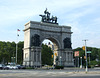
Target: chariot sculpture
46	18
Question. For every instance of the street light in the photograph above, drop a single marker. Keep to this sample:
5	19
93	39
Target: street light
81	62
78	61
86	56
60	60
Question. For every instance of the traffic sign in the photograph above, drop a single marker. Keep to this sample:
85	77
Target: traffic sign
88	52
76	53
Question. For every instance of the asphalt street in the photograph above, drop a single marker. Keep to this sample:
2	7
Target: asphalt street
65	73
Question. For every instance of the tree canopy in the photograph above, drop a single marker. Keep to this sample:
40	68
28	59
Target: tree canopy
46	54
8	50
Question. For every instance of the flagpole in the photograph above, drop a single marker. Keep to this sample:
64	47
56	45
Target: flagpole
16	46
16	53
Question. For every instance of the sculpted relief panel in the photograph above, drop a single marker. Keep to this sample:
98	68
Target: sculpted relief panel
35	40
67	42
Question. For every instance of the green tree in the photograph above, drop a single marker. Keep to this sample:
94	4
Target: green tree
89	48
94	54
20	52
99	54
3	52
8	50
46	54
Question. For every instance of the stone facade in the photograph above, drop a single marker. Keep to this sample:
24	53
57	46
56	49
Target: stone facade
34	35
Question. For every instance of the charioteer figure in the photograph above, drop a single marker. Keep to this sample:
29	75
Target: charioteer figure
46	18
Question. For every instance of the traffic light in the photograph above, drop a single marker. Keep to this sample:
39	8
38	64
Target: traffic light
55	54
52	56
83	47
84	57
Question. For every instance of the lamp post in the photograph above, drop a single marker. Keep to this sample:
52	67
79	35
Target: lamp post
81	62
60	60
53	58
86	56
78	61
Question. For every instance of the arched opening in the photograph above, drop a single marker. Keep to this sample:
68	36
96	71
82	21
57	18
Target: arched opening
54	45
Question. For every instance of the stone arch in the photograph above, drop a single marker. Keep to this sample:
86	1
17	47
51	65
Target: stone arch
36	32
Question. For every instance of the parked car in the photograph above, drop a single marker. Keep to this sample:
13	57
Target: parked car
21	67
1	66
9	66
5	67
12	67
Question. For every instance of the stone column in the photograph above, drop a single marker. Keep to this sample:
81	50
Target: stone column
35	56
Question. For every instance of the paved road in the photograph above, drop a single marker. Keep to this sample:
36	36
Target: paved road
49	74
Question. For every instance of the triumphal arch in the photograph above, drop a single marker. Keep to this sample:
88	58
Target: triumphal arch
36	32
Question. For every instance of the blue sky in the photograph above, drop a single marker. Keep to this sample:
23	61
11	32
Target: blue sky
82	15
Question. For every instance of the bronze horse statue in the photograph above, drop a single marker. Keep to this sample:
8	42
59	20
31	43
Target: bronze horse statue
46	18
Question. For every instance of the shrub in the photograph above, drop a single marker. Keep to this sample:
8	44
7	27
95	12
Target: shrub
29	68
59	67
94	63
89	66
